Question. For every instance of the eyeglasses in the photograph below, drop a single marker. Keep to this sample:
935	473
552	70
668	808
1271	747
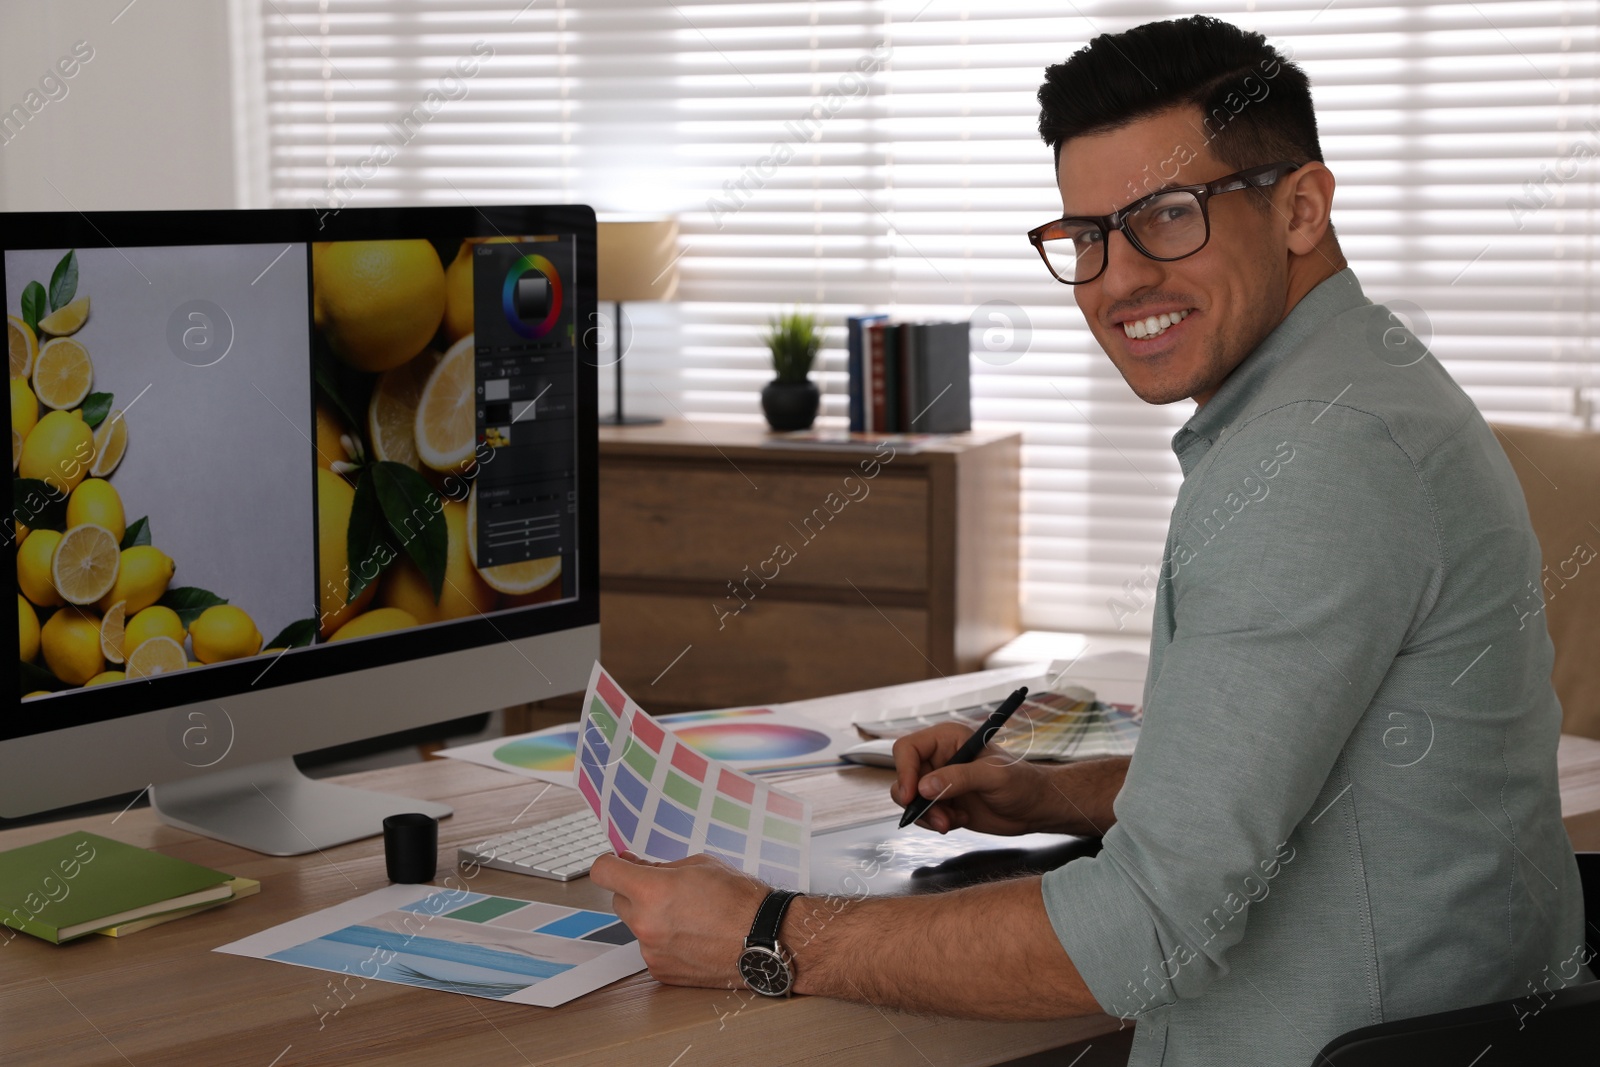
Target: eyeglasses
1166	225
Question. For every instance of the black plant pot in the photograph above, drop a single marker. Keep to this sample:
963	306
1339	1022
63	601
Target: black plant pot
790	405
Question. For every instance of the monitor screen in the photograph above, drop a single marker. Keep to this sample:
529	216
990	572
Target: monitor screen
255	449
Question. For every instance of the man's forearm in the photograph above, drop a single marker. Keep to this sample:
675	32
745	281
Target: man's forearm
988	952
1081	796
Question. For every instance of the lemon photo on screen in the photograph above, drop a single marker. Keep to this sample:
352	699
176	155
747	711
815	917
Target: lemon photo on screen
116	505
398	444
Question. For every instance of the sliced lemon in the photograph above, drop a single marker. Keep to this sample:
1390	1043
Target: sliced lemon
511	578
392	414
23	346
63	374
65	320
84	566
112	630
159	655
110	442
444	420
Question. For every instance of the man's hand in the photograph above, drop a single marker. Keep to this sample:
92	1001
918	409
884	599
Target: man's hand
690	916
994	794
1001	794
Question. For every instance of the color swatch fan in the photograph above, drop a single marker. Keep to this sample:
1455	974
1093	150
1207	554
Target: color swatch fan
661	800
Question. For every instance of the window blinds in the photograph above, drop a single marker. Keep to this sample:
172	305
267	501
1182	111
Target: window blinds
857	156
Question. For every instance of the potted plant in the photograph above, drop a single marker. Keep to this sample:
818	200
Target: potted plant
791	399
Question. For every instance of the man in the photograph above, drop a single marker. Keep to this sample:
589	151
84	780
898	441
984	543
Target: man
1343	808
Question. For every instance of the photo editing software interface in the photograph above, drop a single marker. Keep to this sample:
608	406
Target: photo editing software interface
221	452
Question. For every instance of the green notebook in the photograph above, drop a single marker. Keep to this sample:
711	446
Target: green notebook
78	883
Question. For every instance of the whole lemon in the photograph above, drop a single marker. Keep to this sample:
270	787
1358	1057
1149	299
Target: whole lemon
224	632
378	303
376	621
95	501
154	621
27	629
58	451
106	676
465	594
458	319
71	643
33	568
24	406
334	501
142	578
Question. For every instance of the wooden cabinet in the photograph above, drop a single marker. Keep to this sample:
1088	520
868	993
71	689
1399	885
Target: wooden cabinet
737	571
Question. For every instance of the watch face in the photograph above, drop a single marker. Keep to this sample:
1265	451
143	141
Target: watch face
765	971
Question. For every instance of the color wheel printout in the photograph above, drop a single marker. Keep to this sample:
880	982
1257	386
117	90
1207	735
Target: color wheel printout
662	800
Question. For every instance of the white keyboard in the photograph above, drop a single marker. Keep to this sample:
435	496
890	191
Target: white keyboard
562	849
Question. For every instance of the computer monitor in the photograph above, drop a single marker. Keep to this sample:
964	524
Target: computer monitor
284	480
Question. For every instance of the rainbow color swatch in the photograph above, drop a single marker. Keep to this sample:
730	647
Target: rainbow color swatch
508	296
661	800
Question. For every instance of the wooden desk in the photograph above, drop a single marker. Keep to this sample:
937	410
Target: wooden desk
163	997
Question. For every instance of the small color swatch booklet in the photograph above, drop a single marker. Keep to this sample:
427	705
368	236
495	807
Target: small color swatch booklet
82	883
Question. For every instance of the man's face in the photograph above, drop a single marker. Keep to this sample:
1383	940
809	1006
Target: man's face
1233	290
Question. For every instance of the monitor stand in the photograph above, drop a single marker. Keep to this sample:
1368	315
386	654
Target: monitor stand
271	807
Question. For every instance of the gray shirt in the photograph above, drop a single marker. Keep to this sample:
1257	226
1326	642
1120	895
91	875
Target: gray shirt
1343	808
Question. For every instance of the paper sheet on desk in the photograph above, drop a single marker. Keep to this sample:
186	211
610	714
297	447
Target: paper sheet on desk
662	800
755	740
453	940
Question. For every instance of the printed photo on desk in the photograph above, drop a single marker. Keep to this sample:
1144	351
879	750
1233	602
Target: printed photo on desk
662	800
457	941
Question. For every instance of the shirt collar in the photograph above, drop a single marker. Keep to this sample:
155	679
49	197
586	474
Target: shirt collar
1333	296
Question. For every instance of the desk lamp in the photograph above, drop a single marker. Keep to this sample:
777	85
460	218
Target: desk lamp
636	260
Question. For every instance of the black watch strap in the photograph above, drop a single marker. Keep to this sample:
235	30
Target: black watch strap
769	918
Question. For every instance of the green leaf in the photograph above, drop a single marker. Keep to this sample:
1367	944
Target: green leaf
96	406
34	677
297	634
33	305
138	533
64	282
367	545
37	506
189	601
416	518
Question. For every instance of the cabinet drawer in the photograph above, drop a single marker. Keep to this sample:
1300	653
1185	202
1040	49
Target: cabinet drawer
708	523
774	650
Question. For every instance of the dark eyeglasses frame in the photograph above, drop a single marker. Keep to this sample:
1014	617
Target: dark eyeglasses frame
1254	178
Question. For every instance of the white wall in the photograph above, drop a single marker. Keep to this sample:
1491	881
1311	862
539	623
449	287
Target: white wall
146	122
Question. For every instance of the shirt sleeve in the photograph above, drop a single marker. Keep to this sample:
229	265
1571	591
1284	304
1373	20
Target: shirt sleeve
1298	564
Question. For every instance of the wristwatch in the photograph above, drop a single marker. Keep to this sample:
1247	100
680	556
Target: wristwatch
764	965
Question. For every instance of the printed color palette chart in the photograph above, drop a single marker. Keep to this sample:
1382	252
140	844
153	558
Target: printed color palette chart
457	941
662	800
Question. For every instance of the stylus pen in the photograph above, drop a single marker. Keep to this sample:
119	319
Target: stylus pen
969	751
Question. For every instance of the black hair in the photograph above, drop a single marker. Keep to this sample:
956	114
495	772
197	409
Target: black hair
1256	103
